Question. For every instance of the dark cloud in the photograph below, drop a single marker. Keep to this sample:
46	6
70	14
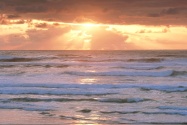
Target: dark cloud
13	16
82	19
5	19
1	7
154	15
32	9
170	11
104	11
164	30
22	2
41	25
173	11
176	15
144	31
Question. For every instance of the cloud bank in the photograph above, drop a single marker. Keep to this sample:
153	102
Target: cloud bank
146	12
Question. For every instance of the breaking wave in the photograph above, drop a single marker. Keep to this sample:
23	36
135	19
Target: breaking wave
105	100
179	73
127	100
19	59
148	113
163	73
49	100
147	60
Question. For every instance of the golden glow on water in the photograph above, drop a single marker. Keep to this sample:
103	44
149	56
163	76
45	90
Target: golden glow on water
88	80
82	122
89	119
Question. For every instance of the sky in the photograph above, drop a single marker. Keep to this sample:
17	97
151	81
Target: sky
93	24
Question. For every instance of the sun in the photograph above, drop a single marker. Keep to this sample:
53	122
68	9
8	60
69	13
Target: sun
88	25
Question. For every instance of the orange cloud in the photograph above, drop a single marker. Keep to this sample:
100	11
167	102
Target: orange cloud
48	35
103	39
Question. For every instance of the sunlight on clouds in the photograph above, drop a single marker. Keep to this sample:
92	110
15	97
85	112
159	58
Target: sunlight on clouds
77	39
88	25
153	37
13	29
34	34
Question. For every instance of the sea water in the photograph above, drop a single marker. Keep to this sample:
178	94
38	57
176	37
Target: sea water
93	87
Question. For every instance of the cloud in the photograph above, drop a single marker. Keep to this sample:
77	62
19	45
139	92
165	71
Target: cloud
161	30
170	11
22	2
45	39
32	9
77	37
11	41
13	16
34	39
64	37
103	11
83	19
41	25
153	15
10	19
107	40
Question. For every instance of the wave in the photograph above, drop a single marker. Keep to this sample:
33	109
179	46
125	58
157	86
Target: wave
172	55
17	59
106	100
100	60
34	65
172	108
147	113
147	60
6	66
161	73
47	65
140	67
179	73
50	91
165	88
73	56
6	57
127	100
26	107
49	100
12	87
85	110
166	113
143	71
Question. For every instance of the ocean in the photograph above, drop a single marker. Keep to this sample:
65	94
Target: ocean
93	87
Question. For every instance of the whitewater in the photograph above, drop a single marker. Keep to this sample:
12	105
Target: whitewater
93	87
